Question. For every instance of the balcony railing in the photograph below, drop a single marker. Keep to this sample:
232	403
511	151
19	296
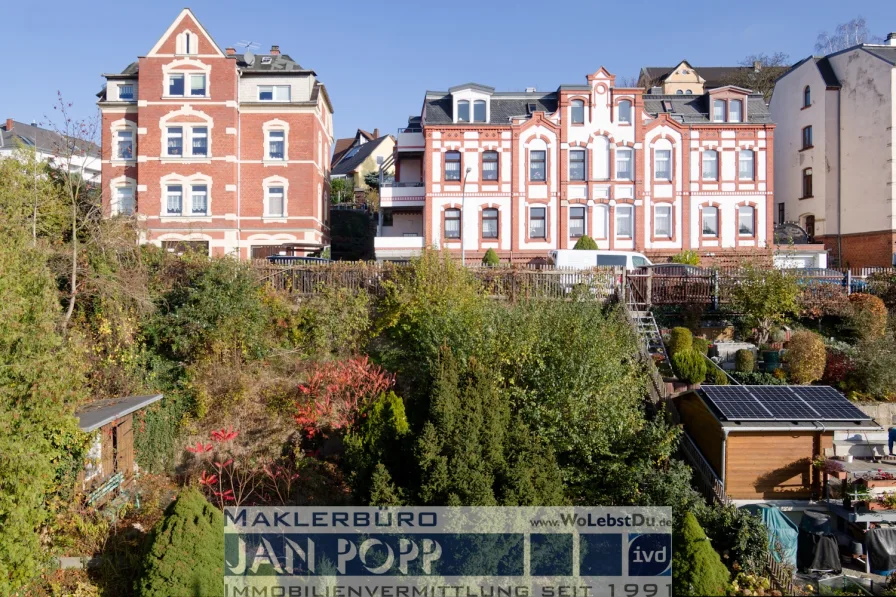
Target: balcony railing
396	184
410	129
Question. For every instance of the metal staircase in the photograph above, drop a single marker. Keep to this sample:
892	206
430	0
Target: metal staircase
649	333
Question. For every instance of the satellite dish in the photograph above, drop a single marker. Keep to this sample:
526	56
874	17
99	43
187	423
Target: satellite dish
249	58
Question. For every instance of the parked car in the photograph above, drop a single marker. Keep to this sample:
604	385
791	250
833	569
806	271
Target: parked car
577	259
675	269
809	276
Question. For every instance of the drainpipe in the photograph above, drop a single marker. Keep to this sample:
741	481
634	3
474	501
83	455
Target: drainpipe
839	187
239	170
725	431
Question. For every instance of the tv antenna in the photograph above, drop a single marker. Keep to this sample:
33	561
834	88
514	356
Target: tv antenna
249	45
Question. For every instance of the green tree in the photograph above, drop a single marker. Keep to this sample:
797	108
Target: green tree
680	339
690	365
383	491
490	258
185	554
341	190
696	567
41	380
473	452
764	297
585	243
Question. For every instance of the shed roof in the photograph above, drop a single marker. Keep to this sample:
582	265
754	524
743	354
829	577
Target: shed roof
96	414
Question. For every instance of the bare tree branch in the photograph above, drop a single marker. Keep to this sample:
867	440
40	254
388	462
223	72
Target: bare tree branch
846	35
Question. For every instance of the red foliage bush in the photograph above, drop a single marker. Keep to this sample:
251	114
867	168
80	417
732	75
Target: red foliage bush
837	367
336	392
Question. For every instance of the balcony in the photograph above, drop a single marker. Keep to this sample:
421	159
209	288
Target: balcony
397	248
410	194
410	139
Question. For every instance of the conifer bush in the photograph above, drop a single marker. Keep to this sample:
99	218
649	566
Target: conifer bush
701	345
585	243
696	567
867	315
680	339
806	357
744	360
719	378
186	551
690	365
490	258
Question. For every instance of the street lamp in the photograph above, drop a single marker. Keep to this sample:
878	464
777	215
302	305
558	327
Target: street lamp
463	217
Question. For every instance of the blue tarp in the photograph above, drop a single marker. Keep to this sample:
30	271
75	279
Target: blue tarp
780	529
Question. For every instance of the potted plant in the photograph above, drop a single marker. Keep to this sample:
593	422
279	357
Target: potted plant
880	479
771	358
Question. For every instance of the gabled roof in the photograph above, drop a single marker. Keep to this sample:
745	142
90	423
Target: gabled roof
341	147
885	53
474	86
96	414
44	139
350	164
824	69
180	17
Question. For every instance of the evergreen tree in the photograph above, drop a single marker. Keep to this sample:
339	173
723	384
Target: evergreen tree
382	491
696	567
186	551
585	243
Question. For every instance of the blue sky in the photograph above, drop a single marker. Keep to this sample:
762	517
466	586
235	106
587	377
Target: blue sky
377	58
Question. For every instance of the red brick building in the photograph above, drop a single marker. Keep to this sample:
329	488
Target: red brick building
530	171
218	151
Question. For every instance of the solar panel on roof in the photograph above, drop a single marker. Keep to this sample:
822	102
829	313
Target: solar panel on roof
782	403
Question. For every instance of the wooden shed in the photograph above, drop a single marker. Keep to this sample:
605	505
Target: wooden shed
111	455
760	440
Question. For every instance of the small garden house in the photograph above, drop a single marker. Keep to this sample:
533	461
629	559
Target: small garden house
760	441
110	459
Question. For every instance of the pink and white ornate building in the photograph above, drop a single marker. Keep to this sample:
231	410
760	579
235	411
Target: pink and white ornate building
527	172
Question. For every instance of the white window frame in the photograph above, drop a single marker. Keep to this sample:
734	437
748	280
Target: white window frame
196	134
667	208
621	151
630	211
133	87
739	116
169	135
752	209
275	126
195	193
629	117
705	162
188	133
186	201
274	89
186	67
573	106
168	193
724	106
469	105
656	162
270	183
740	155
584	221
122	126
484	105
116	186
703	214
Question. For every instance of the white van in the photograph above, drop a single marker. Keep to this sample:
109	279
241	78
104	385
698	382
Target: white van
575	259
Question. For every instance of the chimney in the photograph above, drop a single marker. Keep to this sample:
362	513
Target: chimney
230	51
757	66
8	124
891	39
275	50
376	133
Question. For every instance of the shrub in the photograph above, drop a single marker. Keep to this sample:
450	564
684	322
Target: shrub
875	366
737	534
696	567
186	550
680	339
744	361
806	357
690	365
867	316
757	378
718	377
764	297
490	258
585	243
838	365
701	345
686	257
883	284
779	335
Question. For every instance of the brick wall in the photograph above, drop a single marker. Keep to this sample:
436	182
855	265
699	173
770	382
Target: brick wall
872	249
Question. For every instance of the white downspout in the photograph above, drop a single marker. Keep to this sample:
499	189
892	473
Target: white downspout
239	170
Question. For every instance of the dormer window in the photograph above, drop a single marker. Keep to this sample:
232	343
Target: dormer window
718	110
531	107
126	91
463	111
479	111
735	111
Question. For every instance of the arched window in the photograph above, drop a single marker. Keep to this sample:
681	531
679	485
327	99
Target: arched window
688	92
679	92
710	223
275	196
735	111
578	112
479	111
463	111
807	97
625	112
810	227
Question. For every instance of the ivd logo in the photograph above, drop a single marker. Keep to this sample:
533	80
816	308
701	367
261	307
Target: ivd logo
650	555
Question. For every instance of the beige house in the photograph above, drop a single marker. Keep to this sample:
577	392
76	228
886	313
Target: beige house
685	79
359	156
